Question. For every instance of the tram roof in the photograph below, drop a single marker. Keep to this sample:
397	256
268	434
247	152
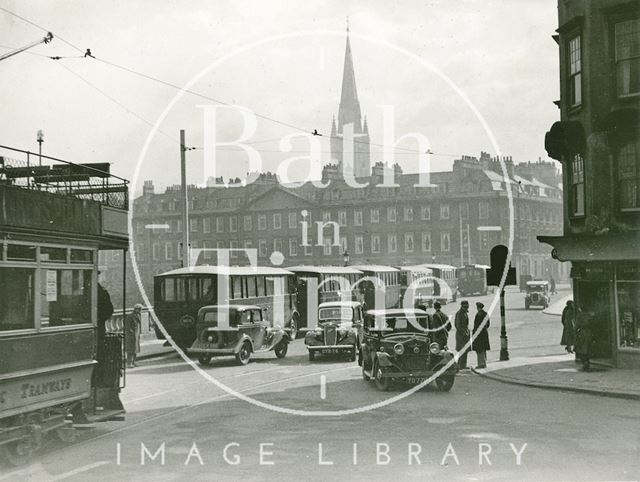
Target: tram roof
228	270
397	312
324	269
374	267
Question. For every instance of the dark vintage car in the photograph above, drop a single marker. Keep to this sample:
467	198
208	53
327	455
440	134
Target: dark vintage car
536	294
236	330
338	330
395	349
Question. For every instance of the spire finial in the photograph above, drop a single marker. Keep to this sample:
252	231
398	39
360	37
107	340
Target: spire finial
347	24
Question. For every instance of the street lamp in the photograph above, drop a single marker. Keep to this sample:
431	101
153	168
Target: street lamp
345	257
40	139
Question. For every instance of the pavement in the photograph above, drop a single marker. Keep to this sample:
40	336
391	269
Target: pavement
562	372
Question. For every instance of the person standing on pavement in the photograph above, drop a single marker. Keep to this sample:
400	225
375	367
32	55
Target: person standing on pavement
584	320
132	329
440	326
552	286
480	342
568	339
462	333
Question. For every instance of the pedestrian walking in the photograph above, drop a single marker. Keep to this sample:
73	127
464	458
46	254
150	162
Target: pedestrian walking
132	329
462	333
552	286
584	321
568	339
440	326
480	343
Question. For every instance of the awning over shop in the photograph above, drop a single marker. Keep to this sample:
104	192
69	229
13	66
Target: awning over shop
609	247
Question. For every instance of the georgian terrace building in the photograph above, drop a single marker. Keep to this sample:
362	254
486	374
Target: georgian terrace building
375	225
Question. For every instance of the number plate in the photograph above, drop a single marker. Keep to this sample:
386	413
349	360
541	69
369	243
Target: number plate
331	351
416	380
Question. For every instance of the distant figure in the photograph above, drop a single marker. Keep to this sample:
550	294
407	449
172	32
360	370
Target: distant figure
440	325
568	339
552	286
462	333
132	329
584	321
480	342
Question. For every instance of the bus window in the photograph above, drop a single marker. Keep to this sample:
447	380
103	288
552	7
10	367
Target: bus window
193	289
260	282
251	286
181	294
208	291
168	289
269	285
237	287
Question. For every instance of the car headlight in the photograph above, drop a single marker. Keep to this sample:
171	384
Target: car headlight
210	339
343	331
398	348
434	348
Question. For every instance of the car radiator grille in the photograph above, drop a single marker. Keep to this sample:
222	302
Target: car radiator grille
414	362
330	335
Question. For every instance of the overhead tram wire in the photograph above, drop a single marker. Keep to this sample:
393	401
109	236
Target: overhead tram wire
87	53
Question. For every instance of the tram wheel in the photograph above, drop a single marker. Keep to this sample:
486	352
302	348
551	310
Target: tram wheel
19	452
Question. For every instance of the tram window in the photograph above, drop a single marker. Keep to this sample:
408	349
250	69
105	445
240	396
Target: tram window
53	255
193	289
65	297
16	302
21	252
237	287
83	256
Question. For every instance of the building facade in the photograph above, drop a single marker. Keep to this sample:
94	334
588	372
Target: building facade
456	221
598	142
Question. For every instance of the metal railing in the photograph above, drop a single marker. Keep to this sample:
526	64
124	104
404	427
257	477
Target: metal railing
91	181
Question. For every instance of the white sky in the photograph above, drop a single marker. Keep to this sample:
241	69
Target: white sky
498	52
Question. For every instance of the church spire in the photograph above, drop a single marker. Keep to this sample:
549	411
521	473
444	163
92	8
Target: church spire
349	111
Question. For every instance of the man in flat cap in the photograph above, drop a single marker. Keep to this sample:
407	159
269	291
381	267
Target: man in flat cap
480	342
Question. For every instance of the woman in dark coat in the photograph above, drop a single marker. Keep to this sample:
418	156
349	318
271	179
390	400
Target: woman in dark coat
132	329
481	336
568	339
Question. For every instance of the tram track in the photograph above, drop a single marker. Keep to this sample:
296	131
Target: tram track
167	413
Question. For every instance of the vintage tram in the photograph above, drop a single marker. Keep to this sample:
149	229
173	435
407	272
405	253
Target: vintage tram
57	365
472	279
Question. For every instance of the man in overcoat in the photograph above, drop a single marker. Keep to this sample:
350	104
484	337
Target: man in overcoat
440	326
462	333
480	342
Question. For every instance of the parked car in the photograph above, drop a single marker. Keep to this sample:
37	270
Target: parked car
536	294
338	331
236	330
396	349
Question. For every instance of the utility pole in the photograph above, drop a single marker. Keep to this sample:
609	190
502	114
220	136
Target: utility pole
461	236
185	201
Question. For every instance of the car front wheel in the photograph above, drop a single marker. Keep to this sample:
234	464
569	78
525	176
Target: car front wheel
365	377
244	355
353	354
445	382
204	360
382	383
312	355
281	349
293	328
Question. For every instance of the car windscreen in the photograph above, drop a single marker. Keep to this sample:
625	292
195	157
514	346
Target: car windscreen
335	313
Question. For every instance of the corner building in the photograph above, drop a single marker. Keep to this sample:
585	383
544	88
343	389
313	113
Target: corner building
598	142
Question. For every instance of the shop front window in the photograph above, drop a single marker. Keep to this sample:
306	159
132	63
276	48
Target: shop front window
16	302
629	314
